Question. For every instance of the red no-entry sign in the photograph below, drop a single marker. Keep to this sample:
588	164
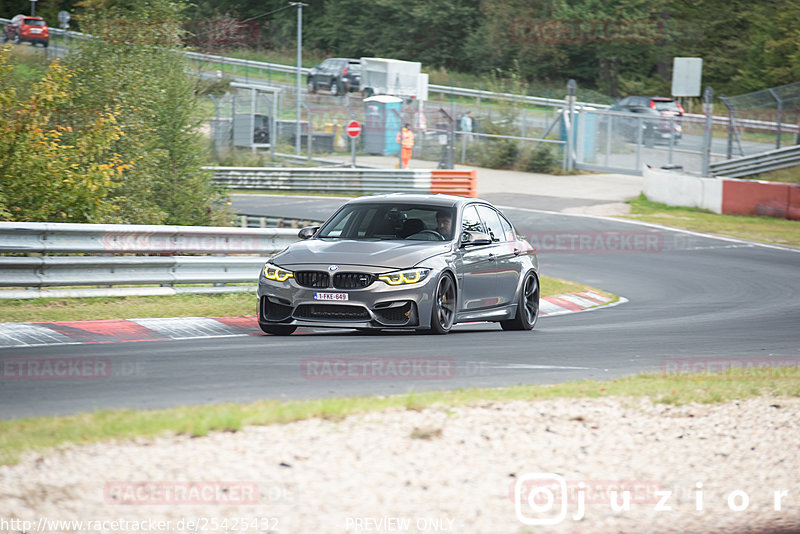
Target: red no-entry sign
353	129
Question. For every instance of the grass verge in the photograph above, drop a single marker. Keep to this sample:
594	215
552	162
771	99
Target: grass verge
767	229
20	435
188	305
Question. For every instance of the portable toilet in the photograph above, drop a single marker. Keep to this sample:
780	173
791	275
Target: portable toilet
382	123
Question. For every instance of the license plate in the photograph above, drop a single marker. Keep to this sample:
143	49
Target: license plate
36	30
330	296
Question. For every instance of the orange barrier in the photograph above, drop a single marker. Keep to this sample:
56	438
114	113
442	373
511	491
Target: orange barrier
743	197
452	182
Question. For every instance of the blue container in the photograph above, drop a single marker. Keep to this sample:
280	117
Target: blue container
382	123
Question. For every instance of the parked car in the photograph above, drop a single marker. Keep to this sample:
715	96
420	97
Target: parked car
403	261
24	28
336	75
660	118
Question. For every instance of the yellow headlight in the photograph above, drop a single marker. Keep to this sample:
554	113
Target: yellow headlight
273	272
412	276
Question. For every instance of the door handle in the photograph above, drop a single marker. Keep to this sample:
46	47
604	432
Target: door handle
517	251
492	257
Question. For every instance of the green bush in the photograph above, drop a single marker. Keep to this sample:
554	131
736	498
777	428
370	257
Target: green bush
540	159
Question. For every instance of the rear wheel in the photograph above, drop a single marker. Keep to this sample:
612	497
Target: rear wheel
527	307
277	329
443	313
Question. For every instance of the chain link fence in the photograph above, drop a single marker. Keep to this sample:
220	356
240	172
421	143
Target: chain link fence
771	114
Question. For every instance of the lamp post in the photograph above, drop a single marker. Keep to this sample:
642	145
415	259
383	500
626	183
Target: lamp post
299	6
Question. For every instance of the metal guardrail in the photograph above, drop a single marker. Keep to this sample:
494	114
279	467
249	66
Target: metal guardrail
47	238
132	255
259	65
52	271
763	162
752	124
359	181
260	221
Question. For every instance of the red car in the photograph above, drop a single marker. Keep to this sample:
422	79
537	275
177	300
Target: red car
24	28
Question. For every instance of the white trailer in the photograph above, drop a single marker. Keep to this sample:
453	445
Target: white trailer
381	76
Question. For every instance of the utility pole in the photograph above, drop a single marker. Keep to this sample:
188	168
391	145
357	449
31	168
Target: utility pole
299	6
33	8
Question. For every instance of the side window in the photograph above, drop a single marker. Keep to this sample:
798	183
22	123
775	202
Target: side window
470	222
507	228
492	221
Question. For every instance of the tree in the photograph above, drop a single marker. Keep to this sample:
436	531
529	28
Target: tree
52	172
136	67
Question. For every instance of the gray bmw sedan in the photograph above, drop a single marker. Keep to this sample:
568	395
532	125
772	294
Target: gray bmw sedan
403	261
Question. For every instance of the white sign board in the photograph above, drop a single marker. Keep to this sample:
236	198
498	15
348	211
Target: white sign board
687	73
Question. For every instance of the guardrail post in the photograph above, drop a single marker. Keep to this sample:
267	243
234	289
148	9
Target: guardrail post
572	87
708	129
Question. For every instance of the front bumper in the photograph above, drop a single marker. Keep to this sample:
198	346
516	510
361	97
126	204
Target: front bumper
377	306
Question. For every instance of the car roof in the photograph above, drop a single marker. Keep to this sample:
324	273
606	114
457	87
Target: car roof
437	200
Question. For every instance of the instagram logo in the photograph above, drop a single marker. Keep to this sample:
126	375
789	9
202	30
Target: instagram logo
538	493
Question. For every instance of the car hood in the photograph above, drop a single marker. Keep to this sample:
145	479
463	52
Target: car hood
392	254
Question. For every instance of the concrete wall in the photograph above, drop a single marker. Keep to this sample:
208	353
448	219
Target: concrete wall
723	195
678	189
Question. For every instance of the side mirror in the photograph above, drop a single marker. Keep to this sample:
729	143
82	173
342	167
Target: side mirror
471	239
307	232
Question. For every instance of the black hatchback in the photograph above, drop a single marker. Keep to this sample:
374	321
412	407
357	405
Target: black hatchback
337	75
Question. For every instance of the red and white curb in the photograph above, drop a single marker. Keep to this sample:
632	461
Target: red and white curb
132	330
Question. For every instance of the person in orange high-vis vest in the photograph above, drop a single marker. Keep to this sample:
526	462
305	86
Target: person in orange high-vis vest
406	140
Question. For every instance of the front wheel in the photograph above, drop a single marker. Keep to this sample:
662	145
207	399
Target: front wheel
335	88
277	329
312	86
443	312
527	307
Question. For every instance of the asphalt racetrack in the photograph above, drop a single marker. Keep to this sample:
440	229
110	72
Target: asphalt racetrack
690	297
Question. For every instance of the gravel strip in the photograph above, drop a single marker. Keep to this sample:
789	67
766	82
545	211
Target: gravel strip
436	470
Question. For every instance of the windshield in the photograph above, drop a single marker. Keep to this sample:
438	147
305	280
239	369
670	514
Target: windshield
414	222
